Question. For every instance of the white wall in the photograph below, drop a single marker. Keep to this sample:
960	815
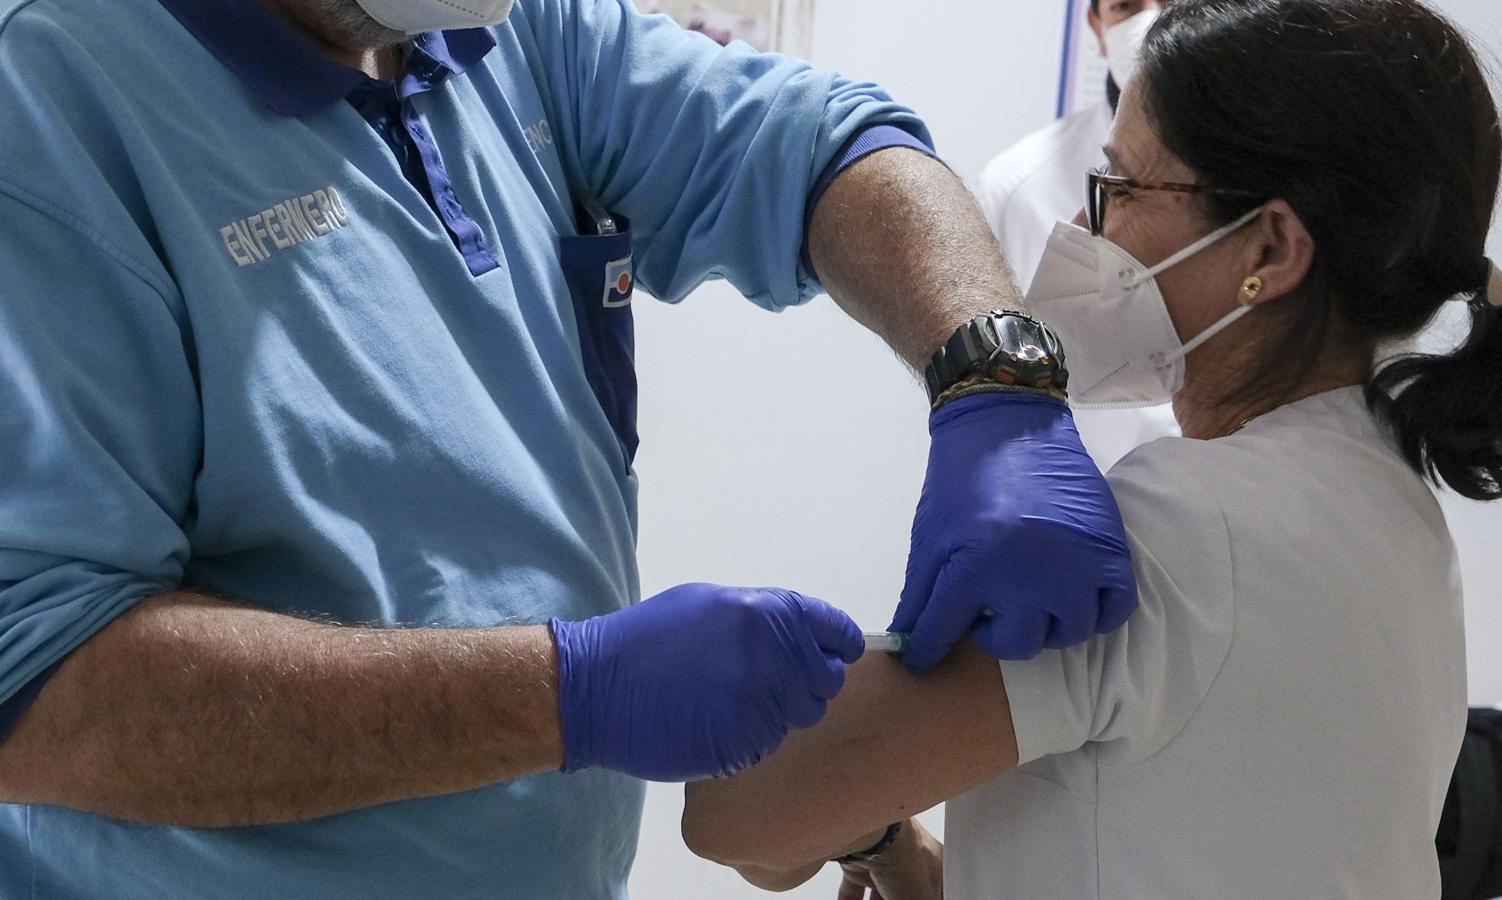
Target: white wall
789	450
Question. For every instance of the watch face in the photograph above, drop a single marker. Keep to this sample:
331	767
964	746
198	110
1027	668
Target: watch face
1007	347
1031	353
1024	356
1014	333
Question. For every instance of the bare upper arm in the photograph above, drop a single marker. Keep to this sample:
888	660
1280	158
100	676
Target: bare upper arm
891	746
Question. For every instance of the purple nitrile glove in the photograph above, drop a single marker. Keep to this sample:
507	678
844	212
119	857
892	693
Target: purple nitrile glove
699	681
1017	541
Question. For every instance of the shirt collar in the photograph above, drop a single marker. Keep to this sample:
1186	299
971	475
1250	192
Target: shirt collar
436	55
291	75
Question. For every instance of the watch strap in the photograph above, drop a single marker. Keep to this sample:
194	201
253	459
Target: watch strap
1005	347
969	387
876	849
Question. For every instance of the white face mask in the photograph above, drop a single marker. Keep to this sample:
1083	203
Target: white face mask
419	16
1124	45
1106	307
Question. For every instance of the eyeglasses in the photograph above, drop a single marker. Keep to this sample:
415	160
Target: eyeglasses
1102	188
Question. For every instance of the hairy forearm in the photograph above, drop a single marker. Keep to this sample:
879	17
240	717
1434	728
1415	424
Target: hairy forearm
192	711
902	247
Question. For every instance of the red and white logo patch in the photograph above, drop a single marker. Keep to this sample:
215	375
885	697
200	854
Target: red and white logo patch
620	282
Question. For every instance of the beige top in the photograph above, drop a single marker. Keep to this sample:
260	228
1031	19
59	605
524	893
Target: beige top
1281	717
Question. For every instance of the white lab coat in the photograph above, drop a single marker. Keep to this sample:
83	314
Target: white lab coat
1024	192
1039	181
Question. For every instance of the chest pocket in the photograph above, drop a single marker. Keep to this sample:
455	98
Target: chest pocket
602	281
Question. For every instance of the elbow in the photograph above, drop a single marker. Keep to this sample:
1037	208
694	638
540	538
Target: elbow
720	835
704	833
760	866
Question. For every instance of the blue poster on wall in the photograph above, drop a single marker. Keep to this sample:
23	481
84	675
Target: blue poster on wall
1082	72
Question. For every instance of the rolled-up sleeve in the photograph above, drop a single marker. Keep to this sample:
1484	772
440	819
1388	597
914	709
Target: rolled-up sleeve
100	431
712	152
1131	692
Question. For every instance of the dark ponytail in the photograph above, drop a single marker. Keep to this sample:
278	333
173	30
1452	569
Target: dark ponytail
1374	121
1447	409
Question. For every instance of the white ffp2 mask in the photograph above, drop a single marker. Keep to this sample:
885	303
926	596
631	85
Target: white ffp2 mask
1124	45
1106	307
420	16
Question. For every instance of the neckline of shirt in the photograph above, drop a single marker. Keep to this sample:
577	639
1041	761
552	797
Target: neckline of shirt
293	77
1343	403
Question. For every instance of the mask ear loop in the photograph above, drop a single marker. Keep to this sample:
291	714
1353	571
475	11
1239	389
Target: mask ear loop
1163	359
1227	321
1194	248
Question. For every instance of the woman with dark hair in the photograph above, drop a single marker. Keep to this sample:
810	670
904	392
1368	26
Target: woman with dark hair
1296	187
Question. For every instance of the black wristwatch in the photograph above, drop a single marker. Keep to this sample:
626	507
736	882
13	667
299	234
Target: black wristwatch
1004	347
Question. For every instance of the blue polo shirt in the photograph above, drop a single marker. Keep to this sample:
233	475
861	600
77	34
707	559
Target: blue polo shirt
274	332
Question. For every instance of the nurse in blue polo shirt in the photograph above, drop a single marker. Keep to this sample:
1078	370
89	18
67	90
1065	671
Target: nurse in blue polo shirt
317	414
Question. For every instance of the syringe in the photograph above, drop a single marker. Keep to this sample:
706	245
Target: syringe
886	642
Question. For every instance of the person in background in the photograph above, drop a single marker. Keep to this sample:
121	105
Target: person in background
1036	182
317	422
1281	717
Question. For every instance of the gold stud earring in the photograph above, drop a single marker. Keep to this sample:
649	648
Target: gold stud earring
1250	289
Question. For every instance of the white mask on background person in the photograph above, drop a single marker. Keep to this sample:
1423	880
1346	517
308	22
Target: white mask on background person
420	16
1124	45
1105	305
